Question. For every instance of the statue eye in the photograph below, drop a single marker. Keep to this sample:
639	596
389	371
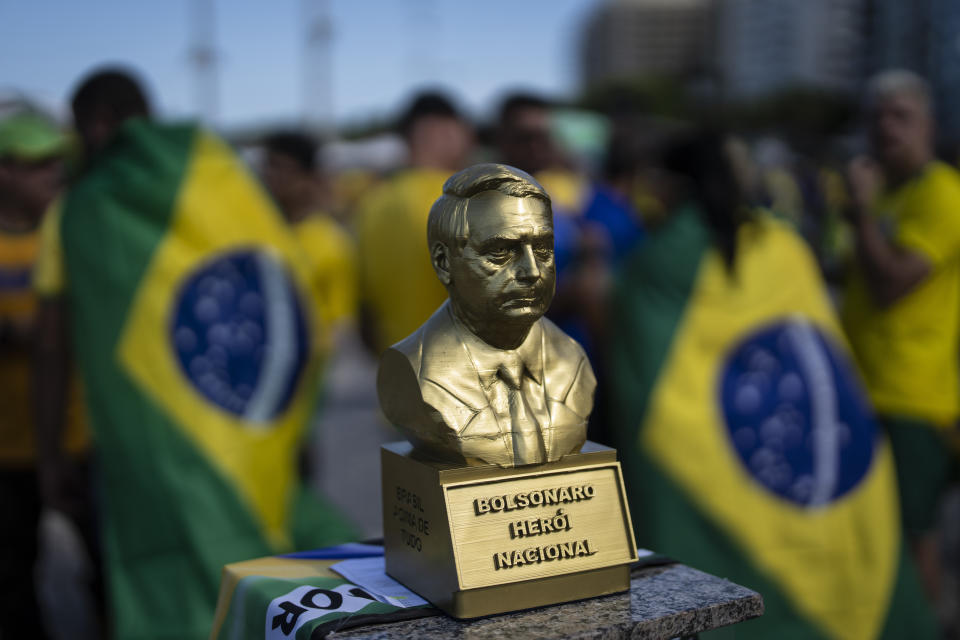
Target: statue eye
497	251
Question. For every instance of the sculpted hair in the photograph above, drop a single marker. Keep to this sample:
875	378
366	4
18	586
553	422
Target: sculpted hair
448	215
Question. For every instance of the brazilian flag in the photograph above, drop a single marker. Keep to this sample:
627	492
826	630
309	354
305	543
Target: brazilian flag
748	445
199	350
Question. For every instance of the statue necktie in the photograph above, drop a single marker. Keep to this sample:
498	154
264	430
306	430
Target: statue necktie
528	447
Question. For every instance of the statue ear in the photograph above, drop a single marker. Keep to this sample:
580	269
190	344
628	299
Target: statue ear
440	257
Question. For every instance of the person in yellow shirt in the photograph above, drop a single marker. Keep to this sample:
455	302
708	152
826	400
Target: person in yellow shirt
31	150
902	303
292	176
399	289
347	187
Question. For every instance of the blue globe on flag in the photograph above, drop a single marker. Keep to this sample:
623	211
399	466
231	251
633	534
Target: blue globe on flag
796	414
239	331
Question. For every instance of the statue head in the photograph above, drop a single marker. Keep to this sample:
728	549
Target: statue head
491	243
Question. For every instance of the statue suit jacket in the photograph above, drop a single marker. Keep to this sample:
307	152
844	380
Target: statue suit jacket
430	388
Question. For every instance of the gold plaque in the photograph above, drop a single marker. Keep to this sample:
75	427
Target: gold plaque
497	503
538	524
480	540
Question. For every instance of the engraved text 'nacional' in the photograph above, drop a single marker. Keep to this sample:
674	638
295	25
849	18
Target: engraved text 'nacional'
545	553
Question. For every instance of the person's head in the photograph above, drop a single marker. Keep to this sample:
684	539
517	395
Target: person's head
102	102
698	167
31	167
290	171
901	126
491	243
435	132
631	149
523	133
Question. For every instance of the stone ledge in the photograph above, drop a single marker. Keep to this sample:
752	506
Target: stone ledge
664	602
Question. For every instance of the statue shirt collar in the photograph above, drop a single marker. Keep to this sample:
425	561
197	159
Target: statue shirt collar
488	360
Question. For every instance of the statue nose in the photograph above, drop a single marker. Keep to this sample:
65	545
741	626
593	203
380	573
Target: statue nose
528	269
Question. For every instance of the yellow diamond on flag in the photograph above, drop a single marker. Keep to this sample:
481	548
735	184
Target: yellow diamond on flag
221	335
803	531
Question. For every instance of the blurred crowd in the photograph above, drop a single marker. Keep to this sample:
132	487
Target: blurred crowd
774	334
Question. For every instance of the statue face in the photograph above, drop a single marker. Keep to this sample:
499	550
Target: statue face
505	274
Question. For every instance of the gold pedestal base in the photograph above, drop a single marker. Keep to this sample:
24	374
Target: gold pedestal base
482	540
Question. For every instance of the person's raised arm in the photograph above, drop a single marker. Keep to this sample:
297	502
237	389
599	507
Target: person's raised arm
891	271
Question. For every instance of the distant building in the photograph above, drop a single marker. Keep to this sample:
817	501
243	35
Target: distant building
898	35
944	67
765	46
923	36
626	39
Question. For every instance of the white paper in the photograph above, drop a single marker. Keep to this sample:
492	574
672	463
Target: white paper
371	574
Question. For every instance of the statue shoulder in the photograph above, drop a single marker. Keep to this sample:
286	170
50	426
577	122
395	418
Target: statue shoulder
410	348
558	345
398	376
402	366
568	375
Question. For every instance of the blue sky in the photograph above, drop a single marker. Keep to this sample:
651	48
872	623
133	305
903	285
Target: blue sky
382	49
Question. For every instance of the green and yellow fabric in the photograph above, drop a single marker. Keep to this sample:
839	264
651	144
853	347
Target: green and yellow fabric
299	597
198	345
18	302
748	445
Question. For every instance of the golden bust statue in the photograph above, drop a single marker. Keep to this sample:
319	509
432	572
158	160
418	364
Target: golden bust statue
488	379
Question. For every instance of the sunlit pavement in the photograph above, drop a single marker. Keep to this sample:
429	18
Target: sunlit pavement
346	445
